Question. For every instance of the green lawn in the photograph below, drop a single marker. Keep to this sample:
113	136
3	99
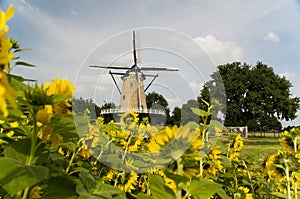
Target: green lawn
256	153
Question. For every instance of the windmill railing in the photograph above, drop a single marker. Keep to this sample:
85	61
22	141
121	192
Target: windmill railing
141	110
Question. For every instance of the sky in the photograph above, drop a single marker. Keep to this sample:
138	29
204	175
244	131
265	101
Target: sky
66	36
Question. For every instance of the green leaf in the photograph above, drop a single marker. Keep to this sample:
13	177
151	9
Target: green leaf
87	180
203	188
15	176
64	125
279	195
176	154
222	194
60	187
21	50
81	124
22	63
83	194
217	124
103	191
20	151
297	174
17	84
143	196
19	79
115	192
58	98
4	137
159	189
279	166
112	159
200	112
140	164
71	146
177	178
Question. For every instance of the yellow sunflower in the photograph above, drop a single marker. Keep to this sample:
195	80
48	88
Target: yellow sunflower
235	146
6	93
44	115
128	185
63	87
162	138
215	156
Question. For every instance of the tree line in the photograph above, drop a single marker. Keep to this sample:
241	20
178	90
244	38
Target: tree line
253	96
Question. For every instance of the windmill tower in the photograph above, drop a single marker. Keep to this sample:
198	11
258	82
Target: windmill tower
132	95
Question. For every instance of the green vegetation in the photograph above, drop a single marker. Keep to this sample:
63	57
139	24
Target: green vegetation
255	96
255	154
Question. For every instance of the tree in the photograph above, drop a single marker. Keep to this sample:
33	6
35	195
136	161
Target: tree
255	96
157	101
187	114
80	106
108	117
175	118
204	96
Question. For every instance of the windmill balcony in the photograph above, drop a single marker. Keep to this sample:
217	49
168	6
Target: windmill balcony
141	110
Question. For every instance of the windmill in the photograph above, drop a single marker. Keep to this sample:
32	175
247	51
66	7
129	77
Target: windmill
132	95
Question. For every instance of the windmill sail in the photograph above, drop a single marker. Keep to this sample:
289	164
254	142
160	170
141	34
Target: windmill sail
133	91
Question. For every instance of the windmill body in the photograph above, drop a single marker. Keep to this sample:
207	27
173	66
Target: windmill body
132	95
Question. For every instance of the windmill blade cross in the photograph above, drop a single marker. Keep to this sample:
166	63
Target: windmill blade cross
110	67
115	73
159	69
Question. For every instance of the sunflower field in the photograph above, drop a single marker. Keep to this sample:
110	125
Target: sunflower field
49	151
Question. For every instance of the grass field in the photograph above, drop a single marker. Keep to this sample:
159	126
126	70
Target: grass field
257	149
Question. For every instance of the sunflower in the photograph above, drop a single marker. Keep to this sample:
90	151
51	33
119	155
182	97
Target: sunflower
6	92
215	156
61	87
110	175
85	151
44	114
162	138
286	141
245	192
235	146
4	17
129	184
129	120
135	145
168	182
5	44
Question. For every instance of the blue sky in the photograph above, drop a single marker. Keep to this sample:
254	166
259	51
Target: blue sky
67	35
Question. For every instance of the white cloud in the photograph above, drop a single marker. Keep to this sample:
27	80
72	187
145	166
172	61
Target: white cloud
271	36
196	87
287	75
220	52
174	102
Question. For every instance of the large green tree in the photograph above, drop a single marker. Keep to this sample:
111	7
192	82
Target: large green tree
255	95
157	101
80	106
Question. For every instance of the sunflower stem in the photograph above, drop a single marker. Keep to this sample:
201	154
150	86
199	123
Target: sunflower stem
287	173
201	167
30	158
